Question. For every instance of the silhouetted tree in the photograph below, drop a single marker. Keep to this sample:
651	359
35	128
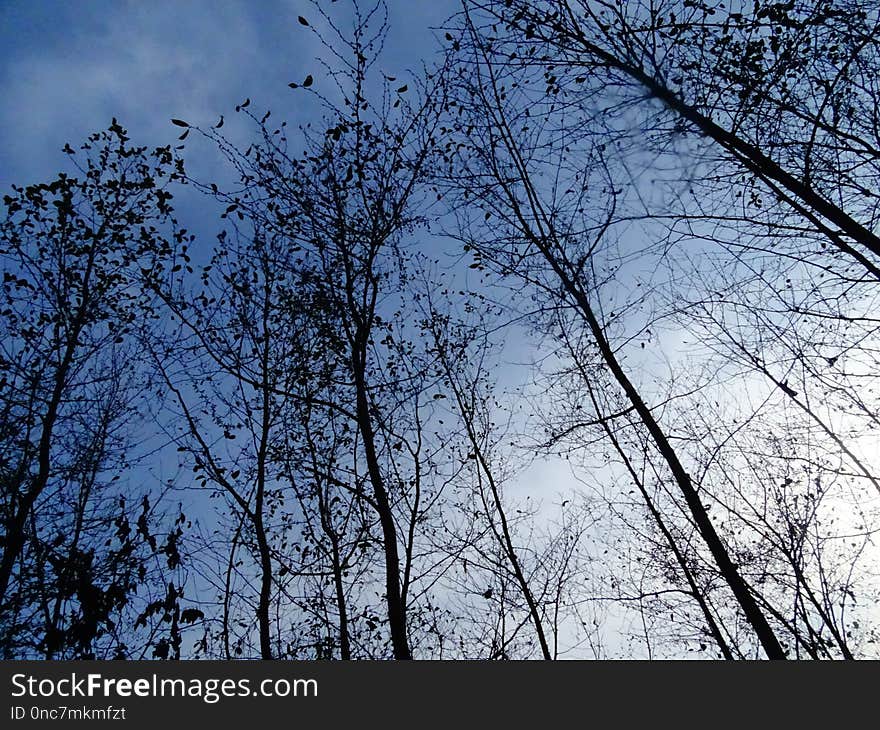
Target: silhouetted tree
564	236
74	253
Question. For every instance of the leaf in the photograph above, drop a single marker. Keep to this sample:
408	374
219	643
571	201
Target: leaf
179	122
308	82
191	615
402	89
302	20
160	649
220	123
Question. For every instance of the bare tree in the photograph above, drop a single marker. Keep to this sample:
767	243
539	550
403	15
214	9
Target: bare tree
502	180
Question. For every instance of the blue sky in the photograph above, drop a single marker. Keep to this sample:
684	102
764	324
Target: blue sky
67	68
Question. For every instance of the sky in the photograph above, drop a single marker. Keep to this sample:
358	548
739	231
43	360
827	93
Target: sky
67	68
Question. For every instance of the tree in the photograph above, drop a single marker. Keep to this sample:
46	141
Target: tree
74	251
502	180
751	79
335	216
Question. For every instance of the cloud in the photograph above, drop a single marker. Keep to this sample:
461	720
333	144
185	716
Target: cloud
67	68
140	63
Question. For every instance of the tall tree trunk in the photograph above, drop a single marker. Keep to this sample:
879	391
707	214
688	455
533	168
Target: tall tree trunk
393	597
698	511
344	639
